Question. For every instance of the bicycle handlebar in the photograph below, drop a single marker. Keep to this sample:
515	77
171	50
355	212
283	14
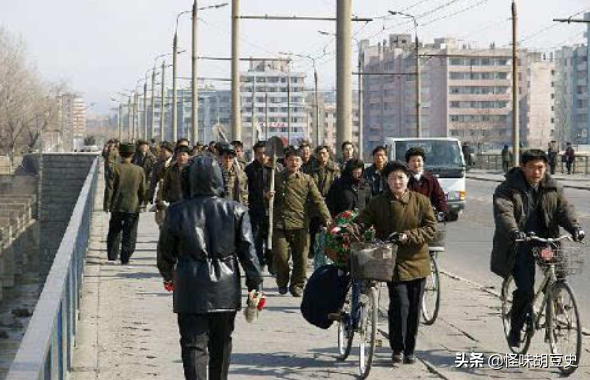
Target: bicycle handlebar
545	240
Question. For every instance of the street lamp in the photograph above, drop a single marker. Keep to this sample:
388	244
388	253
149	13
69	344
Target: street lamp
417	53
316	94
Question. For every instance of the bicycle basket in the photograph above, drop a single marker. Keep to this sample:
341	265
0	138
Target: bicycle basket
568	258
372	261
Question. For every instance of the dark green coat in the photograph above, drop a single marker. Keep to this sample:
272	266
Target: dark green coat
292	192
510	215
325	176
172	186
412	215
126	188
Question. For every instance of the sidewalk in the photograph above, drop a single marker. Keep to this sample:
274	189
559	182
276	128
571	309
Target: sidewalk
574	181
127	329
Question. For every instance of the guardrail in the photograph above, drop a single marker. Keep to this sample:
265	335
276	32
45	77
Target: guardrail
493	161
47	347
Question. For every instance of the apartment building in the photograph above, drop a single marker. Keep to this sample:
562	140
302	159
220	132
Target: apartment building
72	121
465	92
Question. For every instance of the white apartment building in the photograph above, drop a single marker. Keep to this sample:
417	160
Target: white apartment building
465	93
265	92
72	121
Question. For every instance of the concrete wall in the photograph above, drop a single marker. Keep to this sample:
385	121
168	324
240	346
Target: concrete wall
62	178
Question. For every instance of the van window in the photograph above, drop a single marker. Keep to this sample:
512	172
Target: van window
440	154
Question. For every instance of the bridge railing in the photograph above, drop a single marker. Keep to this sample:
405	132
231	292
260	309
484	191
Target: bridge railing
47	347
493	161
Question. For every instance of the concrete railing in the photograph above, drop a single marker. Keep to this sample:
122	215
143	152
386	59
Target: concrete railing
17	238
46	349
493	161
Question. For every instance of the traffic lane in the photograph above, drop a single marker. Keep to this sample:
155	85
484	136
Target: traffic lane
469	240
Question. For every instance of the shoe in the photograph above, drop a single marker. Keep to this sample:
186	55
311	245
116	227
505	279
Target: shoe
296	292
514	339
396	358
283	290
409	359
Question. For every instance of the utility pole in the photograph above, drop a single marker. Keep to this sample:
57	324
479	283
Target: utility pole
266	126
194	93
361	59
129	118
135	116
120	121
515	121
236	116
289	105
174	88
253	114
163	104
317	106
145	110
343	70
153	104
417	53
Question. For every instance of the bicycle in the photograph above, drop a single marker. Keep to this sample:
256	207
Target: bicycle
360	312
560	318
431	297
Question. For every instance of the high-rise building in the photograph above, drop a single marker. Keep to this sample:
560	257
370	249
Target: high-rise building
465	92
268	89
72	121
327	118
572	103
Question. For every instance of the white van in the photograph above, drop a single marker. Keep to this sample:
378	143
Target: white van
444	159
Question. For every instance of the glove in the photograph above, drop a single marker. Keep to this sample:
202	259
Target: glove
169	286
578	235
518	235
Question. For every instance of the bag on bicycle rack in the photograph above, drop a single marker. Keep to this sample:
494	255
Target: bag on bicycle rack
324	294
372	261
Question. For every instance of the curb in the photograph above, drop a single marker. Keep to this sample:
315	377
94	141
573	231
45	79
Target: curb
585	331
476	178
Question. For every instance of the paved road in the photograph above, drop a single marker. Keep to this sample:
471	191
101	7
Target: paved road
469	240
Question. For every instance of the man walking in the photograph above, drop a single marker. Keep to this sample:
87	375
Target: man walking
157	181
202	241
373	173
171	186
125	192
506	158
552	153
570	158
528	201
258	173
234	179
293	190
324	175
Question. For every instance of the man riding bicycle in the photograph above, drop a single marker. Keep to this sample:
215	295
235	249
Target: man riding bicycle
528	201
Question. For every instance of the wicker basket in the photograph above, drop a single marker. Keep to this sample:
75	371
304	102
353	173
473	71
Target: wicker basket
567	258
372	261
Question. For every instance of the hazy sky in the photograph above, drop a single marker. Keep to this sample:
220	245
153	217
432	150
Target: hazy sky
103	46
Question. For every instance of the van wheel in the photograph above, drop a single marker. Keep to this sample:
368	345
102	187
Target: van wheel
453	216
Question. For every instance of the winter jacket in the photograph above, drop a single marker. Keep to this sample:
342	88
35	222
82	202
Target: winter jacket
429	186
510	215
201	242
258	180
347	195
412	215
375	179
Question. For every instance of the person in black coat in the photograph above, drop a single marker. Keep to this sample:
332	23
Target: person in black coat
201	242
373	173
351	191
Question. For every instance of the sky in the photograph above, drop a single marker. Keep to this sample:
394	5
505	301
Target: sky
101	47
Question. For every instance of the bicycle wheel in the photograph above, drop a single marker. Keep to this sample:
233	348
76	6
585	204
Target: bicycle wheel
431	298
345	329
368	330
564	327
508	287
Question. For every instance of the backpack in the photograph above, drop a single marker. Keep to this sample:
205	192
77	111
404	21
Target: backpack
324	294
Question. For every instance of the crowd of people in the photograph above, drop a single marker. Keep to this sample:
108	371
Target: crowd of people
212	205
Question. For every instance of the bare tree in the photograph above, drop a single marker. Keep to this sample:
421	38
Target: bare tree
28	105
